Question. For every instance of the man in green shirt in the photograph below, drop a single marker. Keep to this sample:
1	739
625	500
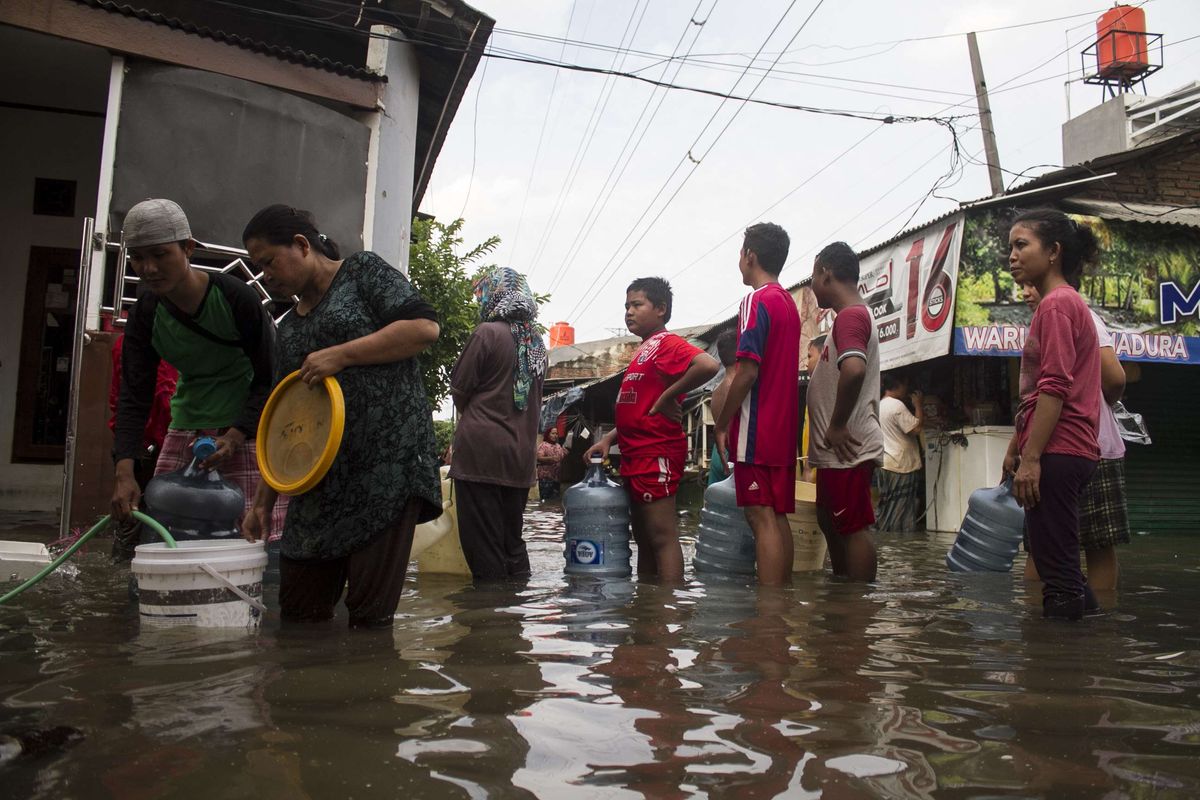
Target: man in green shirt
214	330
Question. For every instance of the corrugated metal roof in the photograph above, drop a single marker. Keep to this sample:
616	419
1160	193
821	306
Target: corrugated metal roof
1155	213
448	36
1106	163
906	232
282	53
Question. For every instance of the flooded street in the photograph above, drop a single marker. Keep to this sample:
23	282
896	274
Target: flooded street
929	684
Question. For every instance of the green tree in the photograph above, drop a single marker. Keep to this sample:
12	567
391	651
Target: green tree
443	434
443	276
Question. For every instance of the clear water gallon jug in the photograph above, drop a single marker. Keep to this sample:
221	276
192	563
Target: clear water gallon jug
725	543
194	503
991	532
597	517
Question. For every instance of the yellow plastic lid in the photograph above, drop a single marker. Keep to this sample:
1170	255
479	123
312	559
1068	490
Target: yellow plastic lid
299	433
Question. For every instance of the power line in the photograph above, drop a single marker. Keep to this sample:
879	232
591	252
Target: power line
873	116
696	161
891	42
537	151
447	44
474	138
771	207
590	219
999	88
830	236
675	170
585	141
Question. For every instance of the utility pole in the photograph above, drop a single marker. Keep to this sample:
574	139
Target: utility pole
990	150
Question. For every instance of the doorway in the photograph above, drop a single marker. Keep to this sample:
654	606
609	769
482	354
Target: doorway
44	377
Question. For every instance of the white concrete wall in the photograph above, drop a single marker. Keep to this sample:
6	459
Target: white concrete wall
391	168
35	144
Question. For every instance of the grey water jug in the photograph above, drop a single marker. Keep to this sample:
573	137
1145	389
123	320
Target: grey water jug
725	543
597	517
991	532
194	503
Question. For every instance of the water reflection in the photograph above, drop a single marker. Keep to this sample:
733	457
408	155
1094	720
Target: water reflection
925	685
472	742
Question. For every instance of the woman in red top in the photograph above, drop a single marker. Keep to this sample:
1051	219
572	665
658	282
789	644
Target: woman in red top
1055	448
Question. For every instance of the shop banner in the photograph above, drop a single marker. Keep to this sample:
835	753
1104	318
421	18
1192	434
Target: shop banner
909	287
1009	340
1146	288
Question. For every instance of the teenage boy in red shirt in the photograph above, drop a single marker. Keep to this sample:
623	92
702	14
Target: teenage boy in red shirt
758	422
845	439
648	432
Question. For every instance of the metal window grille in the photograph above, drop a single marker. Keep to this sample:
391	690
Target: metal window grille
208	257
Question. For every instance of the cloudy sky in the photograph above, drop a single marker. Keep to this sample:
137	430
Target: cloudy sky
591	181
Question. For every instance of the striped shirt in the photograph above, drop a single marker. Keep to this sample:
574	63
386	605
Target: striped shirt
764	429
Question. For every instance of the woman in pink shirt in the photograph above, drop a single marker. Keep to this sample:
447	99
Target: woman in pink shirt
1055	448
1103	508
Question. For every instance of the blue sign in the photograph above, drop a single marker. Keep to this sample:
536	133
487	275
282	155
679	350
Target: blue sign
585	551
1009	340
1173	303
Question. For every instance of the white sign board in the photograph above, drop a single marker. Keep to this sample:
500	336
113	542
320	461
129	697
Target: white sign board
909	287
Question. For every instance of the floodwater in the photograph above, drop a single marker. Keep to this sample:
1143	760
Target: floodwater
928	684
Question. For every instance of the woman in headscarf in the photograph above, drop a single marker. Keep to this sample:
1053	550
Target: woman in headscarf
497	389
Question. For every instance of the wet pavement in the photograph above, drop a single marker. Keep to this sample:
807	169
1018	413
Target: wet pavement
927	684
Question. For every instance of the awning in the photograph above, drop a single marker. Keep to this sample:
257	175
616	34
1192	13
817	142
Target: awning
1133	212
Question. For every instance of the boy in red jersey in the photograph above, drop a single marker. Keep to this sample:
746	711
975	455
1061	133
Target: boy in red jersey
845	440
653	445
762	403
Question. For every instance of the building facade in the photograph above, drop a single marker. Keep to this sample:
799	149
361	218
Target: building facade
223	108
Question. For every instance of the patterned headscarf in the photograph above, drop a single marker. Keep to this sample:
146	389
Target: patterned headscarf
504	296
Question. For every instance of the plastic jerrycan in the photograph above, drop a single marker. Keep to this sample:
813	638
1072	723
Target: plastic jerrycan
991	532
597	516
725	542
193	503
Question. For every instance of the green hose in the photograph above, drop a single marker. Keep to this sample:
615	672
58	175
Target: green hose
99	526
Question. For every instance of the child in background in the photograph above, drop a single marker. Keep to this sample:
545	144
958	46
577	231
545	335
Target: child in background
718	469
843	404
759	420
648	431
812	356
549	459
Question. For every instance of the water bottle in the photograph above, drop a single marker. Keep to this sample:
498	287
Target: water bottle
725	543
193	503
597	516
991	532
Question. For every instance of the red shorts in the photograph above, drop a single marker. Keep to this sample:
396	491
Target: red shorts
766	485
650	478
846	495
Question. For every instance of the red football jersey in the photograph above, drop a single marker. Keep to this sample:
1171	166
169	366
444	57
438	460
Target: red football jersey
659	362
763	430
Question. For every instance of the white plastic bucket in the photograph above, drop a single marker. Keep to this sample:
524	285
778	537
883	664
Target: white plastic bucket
20	561
207	583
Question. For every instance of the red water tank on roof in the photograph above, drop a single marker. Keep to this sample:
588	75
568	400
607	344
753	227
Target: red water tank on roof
561	333
1121	49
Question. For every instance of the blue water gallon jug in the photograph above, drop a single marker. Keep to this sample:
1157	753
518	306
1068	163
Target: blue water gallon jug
991	532
193	503
597	517
725	542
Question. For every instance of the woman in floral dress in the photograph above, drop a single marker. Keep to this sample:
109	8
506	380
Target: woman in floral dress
360	320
